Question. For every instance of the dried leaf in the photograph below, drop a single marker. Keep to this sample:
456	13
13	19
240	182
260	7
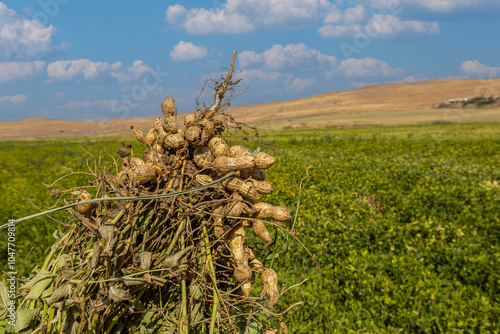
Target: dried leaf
118	294
174	260
60	293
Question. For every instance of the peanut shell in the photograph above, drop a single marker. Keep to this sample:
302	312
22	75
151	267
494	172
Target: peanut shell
84	209
253	173
260	230
224	164
237	245
168	107
246	189
218	147
238	150
150	137
174	141
242	273
270	282
203	157
192	133
266	211
264	160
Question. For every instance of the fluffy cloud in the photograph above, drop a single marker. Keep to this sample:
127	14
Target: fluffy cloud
364	68
240	16
132	73
71	69
289	56
269	70
380	18
87	69
476	69
436	6
14	70
16	99
21	38
381	25
186	51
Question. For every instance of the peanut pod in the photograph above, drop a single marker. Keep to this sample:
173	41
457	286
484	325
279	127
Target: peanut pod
203	179
253	173
246	189
260	230
174	141
243	273
238	150
264	160
84	209
218	147
203	157
262	187
192	133
270	282
150	137
237	245
224	164
138	134
266	211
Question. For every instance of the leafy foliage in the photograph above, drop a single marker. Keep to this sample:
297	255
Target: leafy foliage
404	222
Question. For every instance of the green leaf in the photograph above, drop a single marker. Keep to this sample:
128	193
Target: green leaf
4	296
272	256
251	328
38	276
40	284
24	318
57	235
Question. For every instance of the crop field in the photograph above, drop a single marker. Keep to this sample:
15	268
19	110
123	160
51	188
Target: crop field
403	221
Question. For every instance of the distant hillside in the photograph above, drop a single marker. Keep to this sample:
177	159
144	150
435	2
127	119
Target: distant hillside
378	104
386	104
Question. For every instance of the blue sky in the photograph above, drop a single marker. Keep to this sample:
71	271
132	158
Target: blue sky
82	60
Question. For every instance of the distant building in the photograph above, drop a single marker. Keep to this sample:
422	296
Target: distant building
459	100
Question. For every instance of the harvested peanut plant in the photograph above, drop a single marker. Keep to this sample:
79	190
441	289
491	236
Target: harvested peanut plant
159	242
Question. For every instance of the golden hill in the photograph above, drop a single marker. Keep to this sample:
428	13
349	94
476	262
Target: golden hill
385	104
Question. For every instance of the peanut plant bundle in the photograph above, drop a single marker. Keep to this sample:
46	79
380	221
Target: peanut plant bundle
158	243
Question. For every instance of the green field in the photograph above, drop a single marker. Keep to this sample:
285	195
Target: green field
404	222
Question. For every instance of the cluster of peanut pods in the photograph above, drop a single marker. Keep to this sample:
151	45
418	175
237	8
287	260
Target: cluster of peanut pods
213	158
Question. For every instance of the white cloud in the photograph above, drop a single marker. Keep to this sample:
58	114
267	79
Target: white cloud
381	25
15	100
89	104
60	94
436	6
289	56
15	70
21	38
299	84
71	69
132	73
364	68
87	69
476	69
241	16
186	51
